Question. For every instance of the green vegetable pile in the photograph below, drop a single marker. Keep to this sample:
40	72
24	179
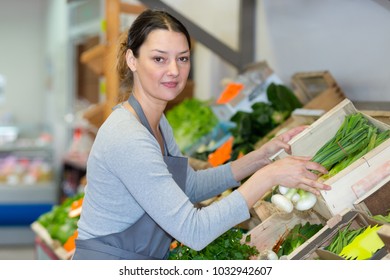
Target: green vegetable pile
228	246
296	237
251	127
355	137
190	120
382	218
58	223
343	238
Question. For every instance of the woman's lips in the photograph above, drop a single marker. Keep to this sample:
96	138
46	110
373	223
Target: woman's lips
170	84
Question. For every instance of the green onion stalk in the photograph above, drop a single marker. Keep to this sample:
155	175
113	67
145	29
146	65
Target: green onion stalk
355	137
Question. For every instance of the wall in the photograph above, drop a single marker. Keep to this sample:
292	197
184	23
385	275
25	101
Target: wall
22	33
350	38
57	63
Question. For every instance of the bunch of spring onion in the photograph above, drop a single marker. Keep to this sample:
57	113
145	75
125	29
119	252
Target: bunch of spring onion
289	198
355	137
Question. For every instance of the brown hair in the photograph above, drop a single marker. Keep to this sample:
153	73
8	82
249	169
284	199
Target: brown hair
146	22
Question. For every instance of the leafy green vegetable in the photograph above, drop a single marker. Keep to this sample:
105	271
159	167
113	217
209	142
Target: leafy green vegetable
282	98
343	238
252	126
296	237
226	247
382	218
58	223
190	120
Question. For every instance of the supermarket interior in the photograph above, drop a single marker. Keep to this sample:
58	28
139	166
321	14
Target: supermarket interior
258	69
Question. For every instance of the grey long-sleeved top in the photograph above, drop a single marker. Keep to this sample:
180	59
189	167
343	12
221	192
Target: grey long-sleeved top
127	176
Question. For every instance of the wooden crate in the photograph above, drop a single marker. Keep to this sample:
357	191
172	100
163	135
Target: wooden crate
383	116
384	234
54	245
265	235
375	201
308	142
314	247
308	85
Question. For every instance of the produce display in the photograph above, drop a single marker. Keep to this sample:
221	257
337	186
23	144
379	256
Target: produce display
251	127
193	119
24	170
228	246
61	221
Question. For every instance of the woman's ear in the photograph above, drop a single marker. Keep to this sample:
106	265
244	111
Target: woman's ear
130	60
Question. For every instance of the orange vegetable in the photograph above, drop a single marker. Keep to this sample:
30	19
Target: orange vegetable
222	154
70	244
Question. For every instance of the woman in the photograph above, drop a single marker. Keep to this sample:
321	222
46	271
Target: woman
141	192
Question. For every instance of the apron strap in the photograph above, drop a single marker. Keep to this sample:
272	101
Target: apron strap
138	109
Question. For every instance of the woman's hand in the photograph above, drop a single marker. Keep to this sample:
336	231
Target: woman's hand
255	160
292	172
297	172
280	142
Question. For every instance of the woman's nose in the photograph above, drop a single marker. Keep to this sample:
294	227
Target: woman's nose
173	69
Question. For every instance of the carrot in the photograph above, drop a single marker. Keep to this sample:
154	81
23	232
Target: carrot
70	244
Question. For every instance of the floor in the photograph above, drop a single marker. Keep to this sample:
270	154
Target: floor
17	243
17	252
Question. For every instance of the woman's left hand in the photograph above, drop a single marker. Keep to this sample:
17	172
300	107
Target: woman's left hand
250	163
280	142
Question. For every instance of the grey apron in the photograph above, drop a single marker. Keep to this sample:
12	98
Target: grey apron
145	239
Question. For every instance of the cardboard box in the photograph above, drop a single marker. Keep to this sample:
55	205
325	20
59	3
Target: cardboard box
308	142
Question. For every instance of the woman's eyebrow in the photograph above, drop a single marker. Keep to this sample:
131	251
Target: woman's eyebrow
161	51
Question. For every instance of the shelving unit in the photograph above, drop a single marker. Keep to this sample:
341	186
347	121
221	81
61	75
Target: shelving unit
101	58
25	195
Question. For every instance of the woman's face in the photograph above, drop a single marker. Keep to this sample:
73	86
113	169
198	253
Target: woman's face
162	67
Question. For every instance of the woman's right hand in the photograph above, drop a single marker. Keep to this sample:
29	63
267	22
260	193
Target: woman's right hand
296	172
291	172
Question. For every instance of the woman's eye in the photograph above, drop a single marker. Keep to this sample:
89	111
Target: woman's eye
159	59
183	59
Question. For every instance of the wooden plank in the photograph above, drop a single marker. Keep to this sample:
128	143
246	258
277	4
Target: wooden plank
94	58
131	8
384	234
265	235
112	15
383	116
377	200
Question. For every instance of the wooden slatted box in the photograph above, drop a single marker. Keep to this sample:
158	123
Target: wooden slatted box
308	142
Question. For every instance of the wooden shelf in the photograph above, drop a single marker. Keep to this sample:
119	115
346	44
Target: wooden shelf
131	9
94	58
